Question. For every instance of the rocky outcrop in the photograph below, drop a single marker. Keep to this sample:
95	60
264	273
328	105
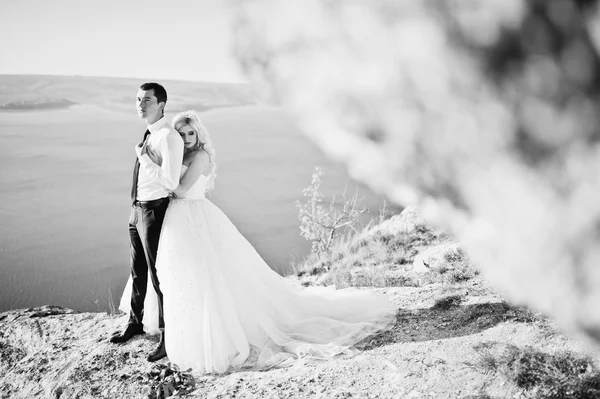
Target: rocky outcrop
51	352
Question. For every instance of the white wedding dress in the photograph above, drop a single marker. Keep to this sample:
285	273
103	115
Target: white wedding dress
224	308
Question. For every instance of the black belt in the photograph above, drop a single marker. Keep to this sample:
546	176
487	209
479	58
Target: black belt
151	204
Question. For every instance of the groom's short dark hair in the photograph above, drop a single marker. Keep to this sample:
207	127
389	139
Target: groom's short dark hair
159	91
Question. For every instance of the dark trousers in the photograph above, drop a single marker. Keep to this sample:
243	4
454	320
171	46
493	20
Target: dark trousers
145	223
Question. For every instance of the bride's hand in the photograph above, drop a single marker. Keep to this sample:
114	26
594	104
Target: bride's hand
140	149
154	156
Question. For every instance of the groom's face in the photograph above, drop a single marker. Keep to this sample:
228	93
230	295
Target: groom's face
148	106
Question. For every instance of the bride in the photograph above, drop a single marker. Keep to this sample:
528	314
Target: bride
224	308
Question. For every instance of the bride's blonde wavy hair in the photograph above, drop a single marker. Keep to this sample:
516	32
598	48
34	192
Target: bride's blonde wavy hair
190	118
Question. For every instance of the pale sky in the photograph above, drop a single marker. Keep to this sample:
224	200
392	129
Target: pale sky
168	39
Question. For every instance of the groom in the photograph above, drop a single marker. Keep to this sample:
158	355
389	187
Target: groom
150	197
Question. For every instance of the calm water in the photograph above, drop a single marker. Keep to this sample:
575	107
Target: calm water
65	180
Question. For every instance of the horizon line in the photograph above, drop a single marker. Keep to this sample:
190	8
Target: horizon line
125	77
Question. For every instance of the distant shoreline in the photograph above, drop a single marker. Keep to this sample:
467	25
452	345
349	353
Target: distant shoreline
49	105
47	108
20	93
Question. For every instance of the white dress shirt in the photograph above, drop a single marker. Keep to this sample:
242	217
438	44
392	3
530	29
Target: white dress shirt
155	181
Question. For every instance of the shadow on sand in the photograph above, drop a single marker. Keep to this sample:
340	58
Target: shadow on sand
447	319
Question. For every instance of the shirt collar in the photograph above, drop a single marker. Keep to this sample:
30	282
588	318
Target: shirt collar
157	125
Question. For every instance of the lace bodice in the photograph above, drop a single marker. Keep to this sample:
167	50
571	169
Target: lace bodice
198	189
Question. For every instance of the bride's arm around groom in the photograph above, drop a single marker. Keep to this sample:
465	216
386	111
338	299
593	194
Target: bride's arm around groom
168	151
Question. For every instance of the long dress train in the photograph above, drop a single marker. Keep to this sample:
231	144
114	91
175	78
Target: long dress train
225	308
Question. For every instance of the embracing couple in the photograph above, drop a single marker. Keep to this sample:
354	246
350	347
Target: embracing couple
196	280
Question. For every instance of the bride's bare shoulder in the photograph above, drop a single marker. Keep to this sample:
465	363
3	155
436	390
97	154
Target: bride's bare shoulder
198	157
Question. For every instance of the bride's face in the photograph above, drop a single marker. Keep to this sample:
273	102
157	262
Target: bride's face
188	135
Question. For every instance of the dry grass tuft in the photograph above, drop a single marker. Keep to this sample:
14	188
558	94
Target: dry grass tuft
384	258
539	374
381	254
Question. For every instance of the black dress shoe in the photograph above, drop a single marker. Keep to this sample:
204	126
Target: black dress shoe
160	351
130	331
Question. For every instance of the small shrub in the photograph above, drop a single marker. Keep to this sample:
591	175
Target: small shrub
341	278
339	250
454	256
486	361
322	225
443	269
368	278
401	281
542	375
460	275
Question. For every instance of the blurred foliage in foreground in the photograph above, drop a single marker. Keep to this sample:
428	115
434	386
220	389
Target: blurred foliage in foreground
482	113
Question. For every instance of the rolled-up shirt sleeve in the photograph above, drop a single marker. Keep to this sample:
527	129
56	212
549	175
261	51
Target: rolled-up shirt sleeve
171	151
